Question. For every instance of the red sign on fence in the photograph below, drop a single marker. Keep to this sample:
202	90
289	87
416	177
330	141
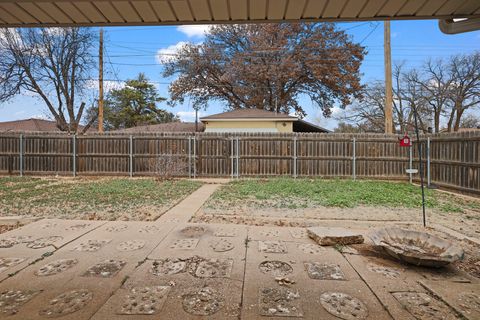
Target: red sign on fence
405	141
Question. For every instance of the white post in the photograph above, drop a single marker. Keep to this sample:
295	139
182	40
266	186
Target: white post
410	162
354	160
74	155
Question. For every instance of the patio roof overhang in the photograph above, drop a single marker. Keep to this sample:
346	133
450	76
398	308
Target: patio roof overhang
31	13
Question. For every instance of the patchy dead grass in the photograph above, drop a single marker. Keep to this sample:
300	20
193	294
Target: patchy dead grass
83	198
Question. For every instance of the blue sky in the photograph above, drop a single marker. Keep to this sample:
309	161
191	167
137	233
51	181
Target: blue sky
130	50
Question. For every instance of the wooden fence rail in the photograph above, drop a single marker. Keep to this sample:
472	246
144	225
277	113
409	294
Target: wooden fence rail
450	160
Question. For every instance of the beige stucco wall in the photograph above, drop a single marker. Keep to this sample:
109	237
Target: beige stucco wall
249	126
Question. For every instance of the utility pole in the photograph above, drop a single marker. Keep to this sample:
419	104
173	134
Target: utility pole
388	79
100	83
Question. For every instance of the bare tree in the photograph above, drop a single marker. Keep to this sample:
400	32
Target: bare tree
51	63
465	87
269	66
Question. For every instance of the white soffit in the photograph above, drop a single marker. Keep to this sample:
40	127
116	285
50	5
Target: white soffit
29	13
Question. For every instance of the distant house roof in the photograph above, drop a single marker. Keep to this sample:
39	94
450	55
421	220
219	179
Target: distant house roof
165	127
249	114
304	126
30	125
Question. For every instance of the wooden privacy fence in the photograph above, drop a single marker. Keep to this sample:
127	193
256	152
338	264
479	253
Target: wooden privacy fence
450	160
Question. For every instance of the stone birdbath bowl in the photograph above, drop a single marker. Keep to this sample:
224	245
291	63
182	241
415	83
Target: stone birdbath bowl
418	248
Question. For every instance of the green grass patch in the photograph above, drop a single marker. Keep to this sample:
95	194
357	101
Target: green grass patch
306	193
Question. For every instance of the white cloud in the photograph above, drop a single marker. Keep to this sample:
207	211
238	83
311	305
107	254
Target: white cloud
189	116
166	54
108	85
191	31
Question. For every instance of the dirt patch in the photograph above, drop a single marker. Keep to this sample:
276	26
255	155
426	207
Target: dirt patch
9	227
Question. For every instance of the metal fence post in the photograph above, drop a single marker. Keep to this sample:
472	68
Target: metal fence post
428	162
354	159
238	157
194	156
189	157
21	156
410	161
74	155
130	153
232	151
295	157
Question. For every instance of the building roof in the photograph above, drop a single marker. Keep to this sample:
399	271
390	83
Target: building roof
31	125
304	126
15	13
249	114
165	127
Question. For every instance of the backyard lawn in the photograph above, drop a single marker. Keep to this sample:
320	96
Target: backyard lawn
102	199
301	202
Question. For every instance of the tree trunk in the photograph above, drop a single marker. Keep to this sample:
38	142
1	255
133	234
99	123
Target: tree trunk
458	119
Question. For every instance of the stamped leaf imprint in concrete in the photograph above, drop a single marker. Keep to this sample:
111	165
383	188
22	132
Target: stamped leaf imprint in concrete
272	247
43	242
423	306
388	272
324	271
279	302
184	244
12	300
221	245
168	266
7	243
149	229
275	268
299	233
56	267
270	233
77	227
310	248
470	302
214	268
91	245
6	263
131	245
14	240
203	302
116	228
145	300
49	225
225	233
105	269
193	231
343	306
66	303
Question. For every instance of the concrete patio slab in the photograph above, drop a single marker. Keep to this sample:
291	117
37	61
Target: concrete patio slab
22	246
167	270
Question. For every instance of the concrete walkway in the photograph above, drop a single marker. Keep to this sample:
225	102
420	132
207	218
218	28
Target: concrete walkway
183	211
175	270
